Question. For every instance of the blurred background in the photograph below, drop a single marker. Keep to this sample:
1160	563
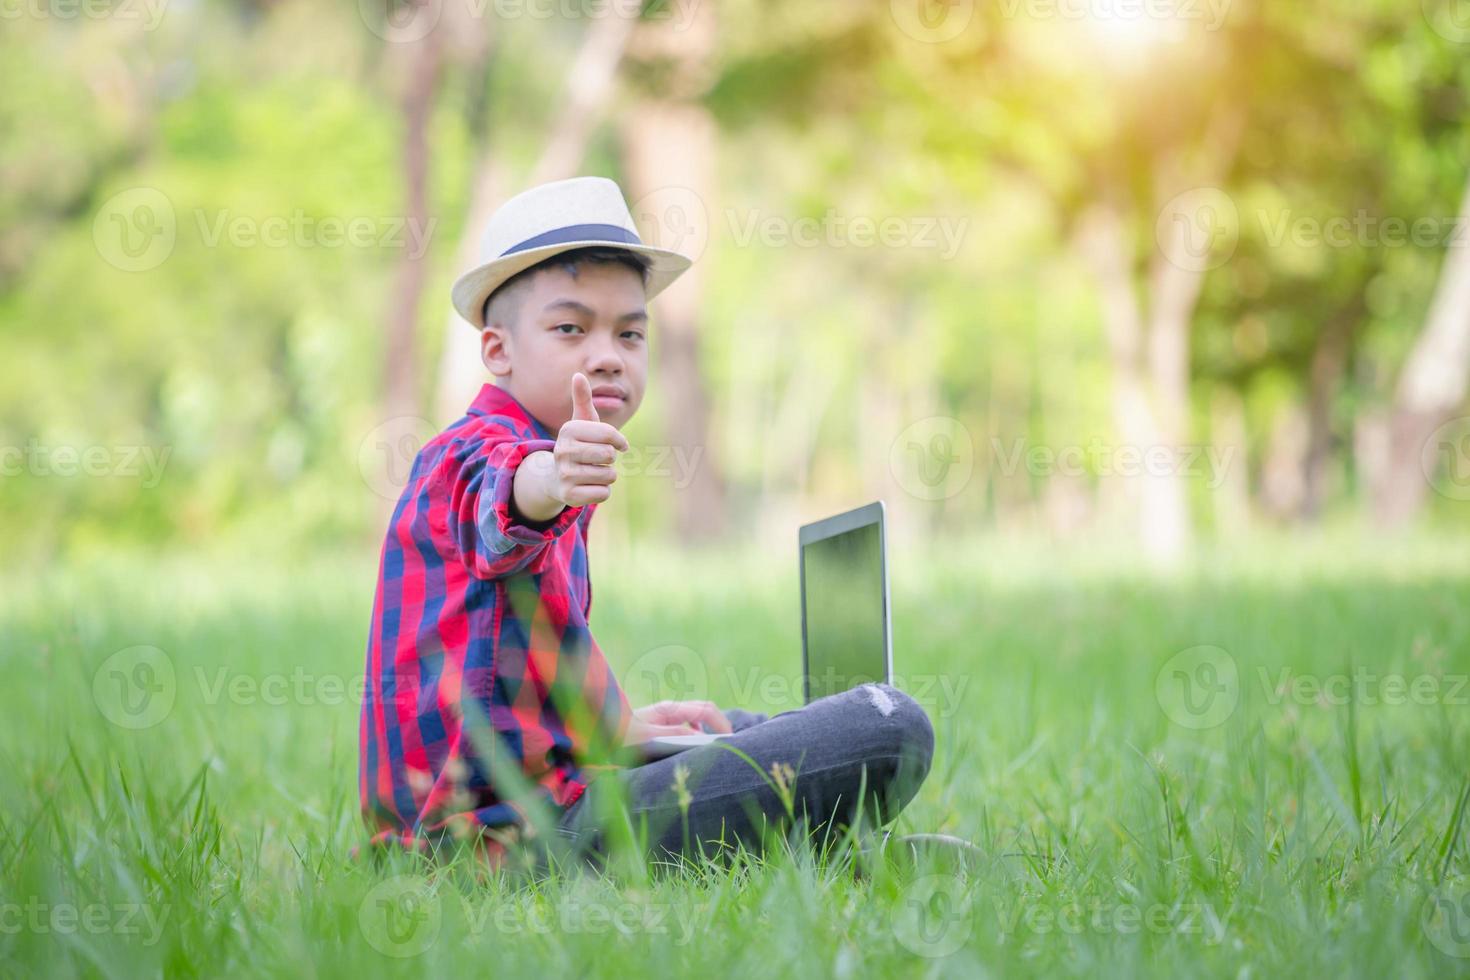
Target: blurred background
1128	276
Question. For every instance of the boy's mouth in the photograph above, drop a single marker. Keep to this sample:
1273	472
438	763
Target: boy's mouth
608	397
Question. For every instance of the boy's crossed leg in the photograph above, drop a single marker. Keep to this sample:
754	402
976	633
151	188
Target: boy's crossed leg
873	741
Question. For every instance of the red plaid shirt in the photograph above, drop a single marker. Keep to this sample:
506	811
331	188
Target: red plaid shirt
482	674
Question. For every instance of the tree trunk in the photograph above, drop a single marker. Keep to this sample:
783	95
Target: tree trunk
668	142
1432	385
1144	420
1329	362
401	363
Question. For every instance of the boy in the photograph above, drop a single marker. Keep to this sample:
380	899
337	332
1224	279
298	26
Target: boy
490	708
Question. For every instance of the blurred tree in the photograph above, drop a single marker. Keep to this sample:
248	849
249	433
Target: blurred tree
588	86
1433	382
668	139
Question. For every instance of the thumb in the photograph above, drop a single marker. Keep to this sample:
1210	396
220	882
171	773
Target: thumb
582	407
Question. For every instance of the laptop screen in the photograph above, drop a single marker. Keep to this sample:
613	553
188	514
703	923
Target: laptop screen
844	606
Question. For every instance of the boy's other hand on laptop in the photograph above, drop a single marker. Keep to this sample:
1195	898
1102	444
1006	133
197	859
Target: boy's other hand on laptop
579	468
676	718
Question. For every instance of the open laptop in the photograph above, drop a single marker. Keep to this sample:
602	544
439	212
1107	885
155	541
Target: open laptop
846	637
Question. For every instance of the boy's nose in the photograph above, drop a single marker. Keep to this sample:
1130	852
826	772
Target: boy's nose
604	359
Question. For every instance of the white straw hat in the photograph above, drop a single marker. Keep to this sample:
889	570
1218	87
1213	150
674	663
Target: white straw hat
551	218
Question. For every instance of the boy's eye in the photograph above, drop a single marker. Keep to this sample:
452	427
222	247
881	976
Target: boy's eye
570	326
634	334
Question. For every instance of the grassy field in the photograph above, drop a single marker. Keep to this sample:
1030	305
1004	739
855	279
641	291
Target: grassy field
1256	767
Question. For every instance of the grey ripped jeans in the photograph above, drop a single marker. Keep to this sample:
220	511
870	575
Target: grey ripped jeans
873	738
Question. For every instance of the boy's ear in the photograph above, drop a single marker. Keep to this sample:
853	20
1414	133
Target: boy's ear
493	351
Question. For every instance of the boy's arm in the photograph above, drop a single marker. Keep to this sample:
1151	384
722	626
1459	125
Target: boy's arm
509	498
531	498
481	524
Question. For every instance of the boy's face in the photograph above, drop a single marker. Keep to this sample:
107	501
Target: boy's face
554	326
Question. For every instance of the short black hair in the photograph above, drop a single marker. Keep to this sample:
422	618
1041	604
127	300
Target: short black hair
570	261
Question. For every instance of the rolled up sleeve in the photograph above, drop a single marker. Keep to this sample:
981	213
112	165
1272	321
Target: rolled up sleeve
489	537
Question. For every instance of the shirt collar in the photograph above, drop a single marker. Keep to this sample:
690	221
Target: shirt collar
495	400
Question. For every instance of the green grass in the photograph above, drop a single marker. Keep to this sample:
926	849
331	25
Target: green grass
1293	837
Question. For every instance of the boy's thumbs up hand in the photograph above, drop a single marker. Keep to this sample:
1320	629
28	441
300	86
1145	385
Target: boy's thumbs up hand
585	451
582	407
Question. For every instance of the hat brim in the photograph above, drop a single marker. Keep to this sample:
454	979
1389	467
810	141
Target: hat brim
474	287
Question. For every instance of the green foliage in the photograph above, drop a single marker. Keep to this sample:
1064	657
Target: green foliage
256	362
